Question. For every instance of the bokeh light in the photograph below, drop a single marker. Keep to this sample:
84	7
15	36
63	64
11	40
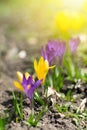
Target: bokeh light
45	18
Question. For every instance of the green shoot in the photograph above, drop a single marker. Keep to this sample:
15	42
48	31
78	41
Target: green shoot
38	98
69	95
75	115
18	106
3	122
35	118
56	81
61	108
73	72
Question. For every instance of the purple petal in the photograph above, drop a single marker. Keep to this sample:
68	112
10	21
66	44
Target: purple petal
74	43
24	81
30	80
37	84
43	54
54	49
61	47
51	56
30	86
51	46
51	51
30	92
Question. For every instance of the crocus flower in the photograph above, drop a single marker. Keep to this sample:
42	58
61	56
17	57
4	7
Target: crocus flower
42	68
61	48
29	86
53	49
74	43
20	78
50	52
66	21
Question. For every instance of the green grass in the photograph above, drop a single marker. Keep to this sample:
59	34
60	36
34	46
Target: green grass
3	122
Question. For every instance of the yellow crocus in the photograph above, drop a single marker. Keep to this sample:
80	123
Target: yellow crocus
77	21
69	21
62	21
20	77
41	68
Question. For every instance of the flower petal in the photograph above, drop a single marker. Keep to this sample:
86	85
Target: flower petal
43	54
37	84
46	65
41	68
20	76
27	75
30	80
41	62
74	43
18	85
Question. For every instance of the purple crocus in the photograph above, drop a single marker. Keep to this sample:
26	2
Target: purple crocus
61	48
74	43
30	86
53	49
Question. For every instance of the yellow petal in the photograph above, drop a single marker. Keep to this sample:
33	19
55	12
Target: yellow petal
18	85
41	63
46	65
41	68
20	76
27	75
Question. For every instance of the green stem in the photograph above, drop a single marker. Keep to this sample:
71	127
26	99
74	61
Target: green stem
21	105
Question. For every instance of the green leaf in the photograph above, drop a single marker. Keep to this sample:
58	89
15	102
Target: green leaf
38	98
35	118
18	105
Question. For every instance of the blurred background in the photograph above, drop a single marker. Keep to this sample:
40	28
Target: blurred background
26	25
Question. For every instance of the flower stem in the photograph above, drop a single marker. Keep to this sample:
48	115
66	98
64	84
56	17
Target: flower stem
32	106
43	90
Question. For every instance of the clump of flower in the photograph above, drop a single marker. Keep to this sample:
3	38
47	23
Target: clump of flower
42	68
54	49
74	43
27	85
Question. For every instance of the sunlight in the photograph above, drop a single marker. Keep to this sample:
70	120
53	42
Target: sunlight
73	4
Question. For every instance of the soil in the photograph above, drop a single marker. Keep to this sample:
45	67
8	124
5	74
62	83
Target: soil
51	120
